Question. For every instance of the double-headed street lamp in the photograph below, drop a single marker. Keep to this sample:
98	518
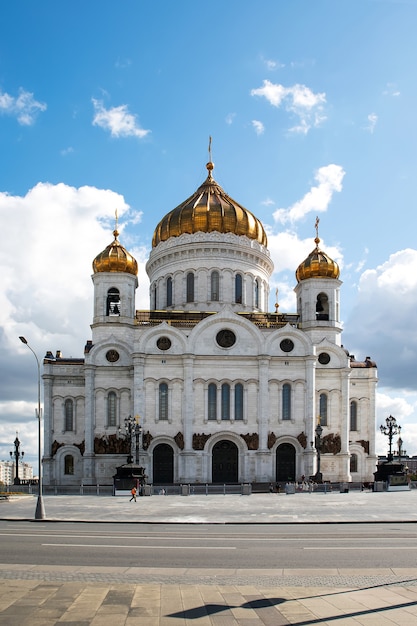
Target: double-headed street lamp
40	511
390	429
133	429
319	432
17	454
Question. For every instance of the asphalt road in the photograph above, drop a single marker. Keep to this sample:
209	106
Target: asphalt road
368	546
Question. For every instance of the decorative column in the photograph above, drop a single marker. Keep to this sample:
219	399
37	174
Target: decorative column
187	466
310	416
344	454
263	469
89	426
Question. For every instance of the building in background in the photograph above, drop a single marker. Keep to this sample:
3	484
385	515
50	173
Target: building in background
8	472
224	390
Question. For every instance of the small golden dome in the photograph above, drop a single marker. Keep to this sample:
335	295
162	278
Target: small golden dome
115	258
318	264
208	210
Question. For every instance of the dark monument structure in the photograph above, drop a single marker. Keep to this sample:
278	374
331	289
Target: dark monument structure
131	474
390	471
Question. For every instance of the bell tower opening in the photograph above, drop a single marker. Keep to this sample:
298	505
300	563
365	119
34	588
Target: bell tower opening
113	302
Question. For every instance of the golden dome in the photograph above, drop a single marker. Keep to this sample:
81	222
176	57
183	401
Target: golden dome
208	210
318	264
115	258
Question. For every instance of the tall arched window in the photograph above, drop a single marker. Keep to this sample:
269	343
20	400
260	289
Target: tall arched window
69	464
239	401
256	293
190	287
169	291
323	409
286	401
214	286
322	307
353	415
163	401
111	409
69	415
113	302
154	297
238	288
225	401
353	463
212	402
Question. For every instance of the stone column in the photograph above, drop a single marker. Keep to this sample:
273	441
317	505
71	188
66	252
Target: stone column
263	455
310	467
89	428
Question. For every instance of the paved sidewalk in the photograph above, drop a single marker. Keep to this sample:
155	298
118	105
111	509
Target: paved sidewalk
262	508
36	595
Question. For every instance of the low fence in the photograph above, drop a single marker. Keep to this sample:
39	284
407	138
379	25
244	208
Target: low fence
200	489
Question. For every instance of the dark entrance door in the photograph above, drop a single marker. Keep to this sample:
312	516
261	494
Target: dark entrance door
285	463
225	462
163	464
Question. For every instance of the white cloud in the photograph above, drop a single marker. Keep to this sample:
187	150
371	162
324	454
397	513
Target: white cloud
25	108
117	120
258	126
230	118
372	120
383	318
54	233
391	90
329	180
298	100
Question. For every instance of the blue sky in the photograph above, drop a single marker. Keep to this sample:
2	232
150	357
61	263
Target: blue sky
105	106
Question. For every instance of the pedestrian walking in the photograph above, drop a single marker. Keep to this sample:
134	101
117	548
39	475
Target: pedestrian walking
133	492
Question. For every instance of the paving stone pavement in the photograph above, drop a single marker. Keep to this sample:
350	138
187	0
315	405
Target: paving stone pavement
35	595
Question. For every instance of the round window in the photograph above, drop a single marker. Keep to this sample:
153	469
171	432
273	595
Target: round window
164	343
286	345
226	338
112	356
324	358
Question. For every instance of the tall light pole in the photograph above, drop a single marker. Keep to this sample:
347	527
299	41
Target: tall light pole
40	511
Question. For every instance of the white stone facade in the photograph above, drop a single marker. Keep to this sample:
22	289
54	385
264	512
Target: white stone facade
225	391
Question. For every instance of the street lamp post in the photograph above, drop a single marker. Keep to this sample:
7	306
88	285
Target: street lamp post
319	432
17	454
133	429
40	511
390	429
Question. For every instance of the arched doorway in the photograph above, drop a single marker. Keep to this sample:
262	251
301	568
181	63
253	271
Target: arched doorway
225	462
163	464
285	463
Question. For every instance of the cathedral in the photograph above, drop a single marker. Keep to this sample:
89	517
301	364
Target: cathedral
219	389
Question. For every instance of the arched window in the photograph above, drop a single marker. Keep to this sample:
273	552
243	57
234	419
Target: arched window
353	415
256	294
190	287
111	409
113	302
69	415
323	409
225	401
163	401
212	402
238	288
154	297
214	286
322	307
68	464
239	401
169	291
286	401
353	463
